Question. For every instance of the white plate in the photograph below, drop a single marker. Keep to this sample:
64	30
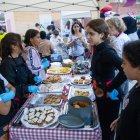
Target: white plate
89	89
67	61
58	71
57	87
51	82
79	77
28	125
56	64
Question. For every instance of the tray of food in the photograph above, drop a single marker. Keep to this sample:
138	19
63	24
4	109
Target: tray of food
80	67
81	80
58	87
53	79
53	99
39	117
75	91
67	63
59	70
94	120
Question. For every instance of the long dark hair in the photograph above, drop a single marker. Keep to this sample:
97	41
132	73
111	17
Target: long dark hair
72	31
6	43
67	24
31	33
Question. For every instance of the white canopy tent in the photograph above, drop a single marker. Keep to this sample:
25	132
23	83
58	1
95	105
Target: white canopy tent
48	5
21	15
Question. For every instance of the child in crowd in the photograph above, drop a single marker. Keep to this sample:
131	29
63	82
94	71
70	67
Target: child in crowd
105	61
128	124
7	93
31	54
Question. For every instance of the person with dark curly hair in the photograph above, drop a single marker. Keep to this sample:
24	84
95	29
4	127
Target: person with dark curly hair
127	126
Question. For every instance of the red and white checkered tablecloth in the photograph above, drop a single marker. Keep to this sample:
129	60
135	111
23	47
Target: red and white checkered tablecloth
58	133
53	134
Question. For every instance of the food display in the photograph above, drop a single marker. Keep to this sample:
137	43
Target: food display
79	104
53	79
81	93
58	87
53	99
67	63
42	116
61	70
81	81
86	91
56	64
80	67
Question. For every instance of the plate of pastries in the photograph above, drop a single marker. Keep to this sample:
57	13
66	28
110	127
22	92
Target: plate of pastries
82	80
57	87
53	99
53	79
39	117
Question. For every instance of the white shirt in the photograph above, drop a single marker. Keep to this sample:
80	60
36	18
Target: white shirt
5	81
133	36
118	42
56	41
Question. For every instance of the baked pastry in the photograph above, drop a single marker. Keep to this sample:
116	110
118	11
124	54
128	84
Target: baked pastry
41	116
86	81
53	79
81	93
76	81
83	77
52	99
80	81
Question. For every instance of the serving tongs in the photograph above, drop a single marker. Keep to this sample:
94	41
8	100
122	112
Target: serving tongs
17	121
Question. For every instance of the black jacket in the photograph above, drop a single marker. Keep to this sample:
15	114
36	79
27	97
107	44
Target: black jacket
105	61
17	73
129	123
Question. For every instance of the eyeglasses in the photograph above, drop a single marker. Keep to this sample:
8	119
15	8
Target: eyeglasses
76	26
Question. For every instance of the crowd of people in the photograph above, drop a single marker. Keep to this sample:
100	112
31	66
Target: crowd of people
115	53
